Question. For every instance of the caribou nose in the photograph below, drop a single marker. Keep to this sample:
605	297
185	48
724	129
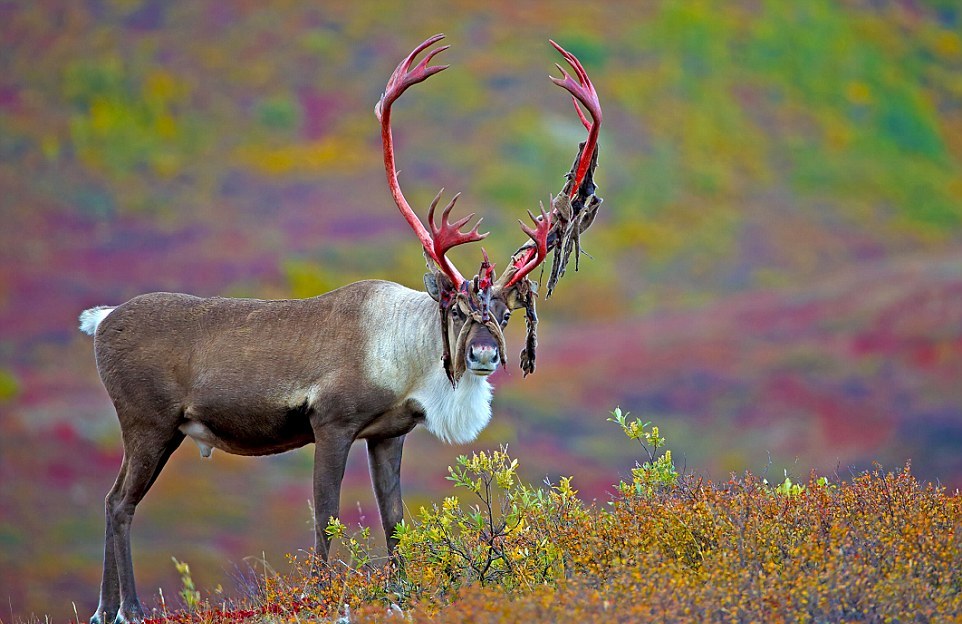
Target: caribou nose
483	358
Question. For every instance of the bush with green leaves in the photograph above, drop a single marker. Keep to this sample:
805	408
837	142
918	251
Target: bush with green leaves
507	534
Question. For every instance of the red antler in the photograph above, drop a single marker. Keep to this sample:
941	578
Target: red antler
542	227
450	235
582	91
529	256
440	239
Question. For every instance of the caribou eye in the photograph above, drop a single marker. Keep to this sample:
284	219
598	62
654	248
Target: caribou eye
504	319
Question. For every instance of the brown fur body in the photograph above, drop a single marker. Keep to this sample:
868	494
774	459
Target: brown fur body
252	371
256	377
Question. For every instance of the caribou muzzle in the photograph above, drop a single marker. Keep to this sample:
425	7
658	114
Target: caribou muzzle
483	359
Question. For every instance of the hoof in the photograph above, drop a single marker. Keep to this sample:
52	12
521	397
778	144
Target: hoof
103	616
130	616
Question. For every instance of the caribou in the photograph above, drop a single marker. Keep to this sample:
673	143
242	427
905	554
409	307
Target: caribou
367	361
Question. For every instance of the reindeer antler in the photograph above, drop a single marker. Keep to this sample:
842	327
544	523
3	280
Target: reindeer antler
582	91
449	235
539	236
439	240
573	210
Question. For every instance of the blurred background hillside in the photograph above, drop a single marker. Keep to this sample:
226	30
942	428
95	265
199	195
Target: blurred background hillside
775	280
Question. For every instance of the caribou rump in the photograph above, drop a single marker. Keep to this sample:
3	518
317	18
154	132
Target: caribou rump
370	360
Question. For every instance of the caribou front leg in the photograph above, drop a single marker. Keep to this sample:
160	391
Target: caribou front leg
384	458
330	457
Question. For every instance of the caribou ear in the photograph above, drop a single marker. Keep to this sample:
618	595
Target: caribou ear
431	285
521	294
436	283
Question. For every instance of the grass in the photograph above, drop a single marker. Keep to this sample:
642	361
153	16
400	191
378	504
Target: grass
878	547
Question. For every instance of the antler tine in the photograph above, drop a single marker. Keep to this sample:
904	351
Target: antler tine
584	92
449	235
581	116
440	239
538	234
403	76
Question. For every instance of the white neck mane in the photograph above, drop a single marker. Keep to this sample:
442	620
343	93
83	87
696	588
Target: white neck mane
452	414
455	414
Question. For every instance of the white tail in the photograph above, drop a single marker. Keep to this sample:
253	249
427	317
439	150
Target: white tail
90	319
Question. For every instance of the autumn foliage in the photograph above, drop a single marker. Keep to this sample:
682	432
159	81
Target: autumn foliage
777	267
879	546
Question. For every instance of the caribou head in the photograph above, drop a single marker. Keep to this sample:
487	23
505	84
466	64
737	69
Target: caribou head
474	312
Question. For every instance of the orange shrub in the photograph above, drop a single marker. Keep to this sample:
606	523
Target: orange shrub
879	548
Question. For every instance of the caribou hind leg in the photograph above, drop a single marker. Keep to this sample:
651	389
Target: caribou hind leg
109	585
146	451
